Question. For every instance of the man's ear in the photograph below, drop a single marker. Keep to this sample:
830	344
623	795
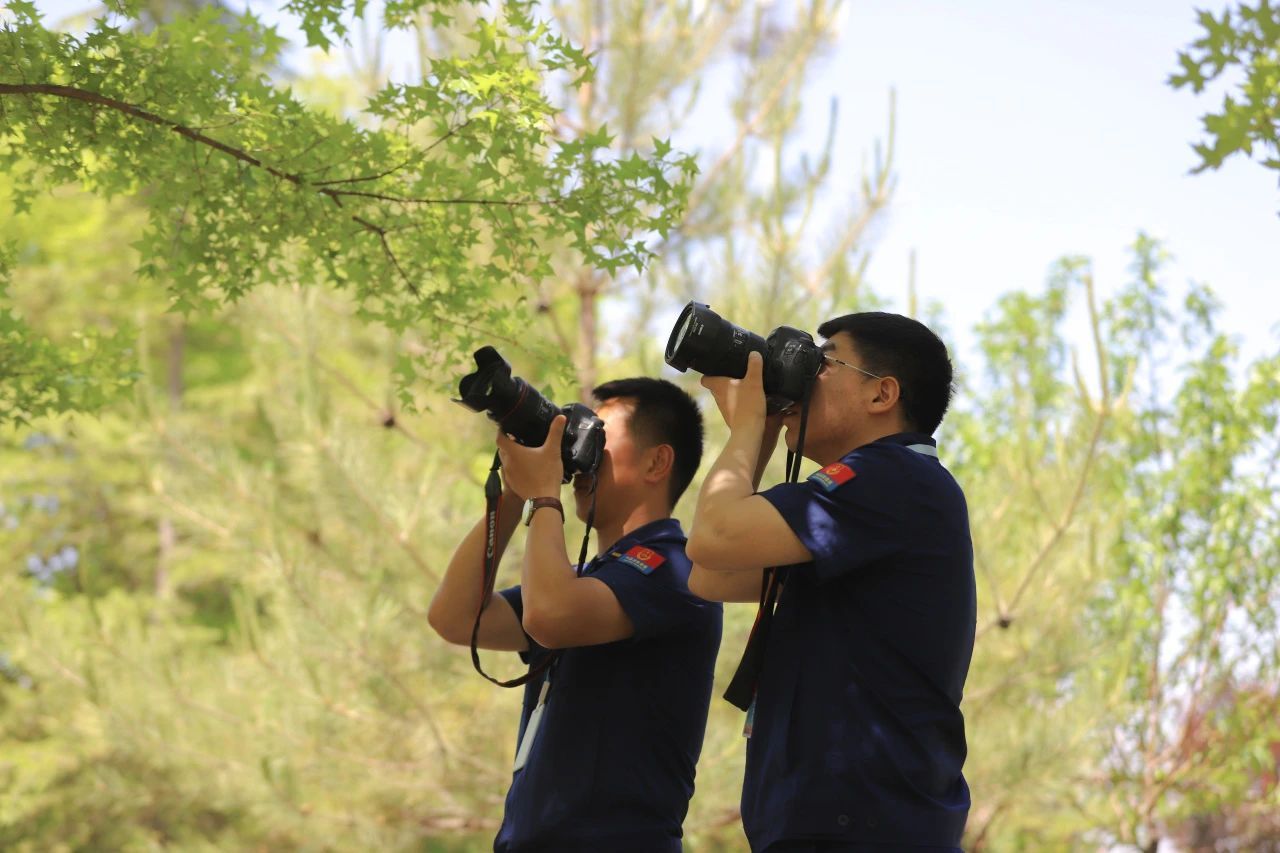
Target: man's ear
887	395
662	458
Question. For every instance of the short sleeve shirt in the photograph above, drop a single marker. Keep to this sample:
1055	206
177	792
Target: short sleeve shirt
612	764
857	733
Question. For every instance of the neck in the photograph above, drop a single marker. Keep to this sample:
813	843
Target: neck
836	449
640	515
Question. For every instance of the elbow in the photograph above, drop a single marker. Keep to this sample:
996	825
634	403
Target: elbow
545	628
447	627
711	537
710	585
698	582
704	550
693	549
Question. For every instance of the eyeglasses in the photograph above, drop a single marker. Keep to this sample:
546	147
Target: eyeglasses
854	366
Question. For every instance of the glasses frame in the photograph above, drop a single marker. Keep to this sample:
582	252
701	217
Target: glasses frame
826	357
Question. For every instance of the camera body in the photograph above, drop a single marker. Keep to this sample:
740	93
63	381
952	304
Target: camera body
711	345
582	447
525	415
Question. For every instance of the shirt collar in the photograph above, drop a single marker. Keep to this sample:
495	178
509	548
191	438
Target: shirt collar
907	438
916	441
662	529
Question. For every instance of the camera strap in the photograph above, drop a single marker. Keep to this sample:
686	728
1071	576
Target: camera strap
492	513
591	520
741	692
493	510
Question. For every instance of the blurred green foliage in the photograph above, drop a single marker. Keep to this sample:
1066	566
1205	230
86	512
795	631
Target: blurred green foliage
213	589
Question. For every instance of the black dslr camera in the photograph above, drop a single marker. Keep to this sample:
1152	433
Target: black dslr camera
526	415
713	346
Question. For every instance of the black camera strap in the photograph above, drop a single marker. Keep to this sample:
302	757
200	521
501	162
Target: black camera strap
796	457
493	511
591	520
741	692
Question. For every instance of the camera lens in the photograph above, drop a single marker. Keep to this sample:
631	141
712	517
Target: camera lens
475	390
511	402
529	417
676	343
703	340
525	415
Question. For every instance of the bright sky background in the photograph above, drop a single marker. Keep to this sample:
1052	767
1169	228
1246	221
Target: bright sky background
1027	131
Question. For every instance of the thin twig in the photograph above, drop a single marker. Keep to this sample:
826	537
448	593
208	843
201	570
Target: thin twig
324	188
363	178
388	251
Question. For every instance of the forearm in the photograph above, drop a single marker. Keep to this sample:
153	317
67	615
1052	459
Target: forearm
457	598
768	443
734	531
546	575
732	478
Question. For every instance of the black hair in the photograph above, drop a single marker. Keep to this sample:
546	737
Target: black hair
908	350
662	414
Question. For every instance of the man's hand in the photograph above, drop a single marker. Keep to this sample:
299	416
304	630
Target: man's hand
768	443
741	401
509	493
534	472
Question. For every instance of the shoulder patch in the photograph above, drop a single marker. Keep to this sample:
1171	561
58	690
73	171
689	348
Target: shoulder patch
642	559
833	476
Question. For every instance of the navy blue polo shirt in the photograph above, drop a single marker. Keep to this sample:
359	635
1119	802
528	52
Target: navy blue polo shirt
857	734
612	764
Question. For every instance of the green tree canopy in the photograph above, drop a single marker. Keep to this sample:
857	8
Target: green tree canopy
436	204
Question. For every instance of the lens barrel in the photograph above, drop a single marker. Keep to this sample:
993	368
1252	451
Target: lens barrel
511	402
710	344
525	415
706	342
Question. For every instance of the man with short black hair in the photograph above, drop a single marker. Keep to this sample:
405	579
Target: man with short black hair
611	733
856	739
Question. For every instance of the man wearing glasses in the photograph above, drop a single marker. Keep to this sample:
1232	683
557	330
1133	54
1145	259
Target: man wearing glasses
854	679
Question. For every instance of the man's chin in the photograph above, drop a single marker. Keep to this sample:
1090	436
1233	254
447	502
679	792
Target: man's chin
582	502
791	431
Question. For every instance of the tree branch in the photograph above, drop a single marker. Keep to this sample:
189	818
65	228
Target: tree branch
323	188
75	94
388	251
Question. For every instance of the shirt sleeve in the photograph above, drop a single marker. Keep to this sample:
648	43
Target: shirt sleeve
535	652
848	515
657	601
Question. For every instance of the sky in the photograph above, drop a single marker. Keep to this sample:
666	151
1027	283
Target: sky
1028	131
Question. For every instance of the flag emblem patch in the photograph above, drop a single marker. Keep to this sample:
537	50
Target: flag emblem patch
833	476
642	559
